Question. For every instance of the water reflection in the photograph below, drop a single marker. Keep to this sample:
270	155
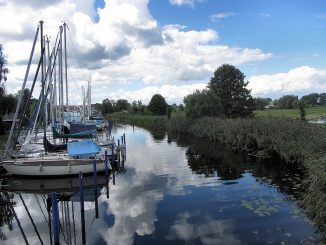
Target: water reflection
176	190
202	228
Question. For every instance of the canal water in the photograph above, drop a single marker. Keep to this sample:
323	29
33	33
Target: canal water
171	190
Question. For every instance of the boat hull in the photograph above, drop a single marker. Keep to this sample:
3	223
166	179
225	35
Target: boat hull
48	168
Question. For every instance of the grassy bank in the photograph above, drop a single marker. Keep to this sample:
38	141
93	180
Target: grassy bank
294	141
311	112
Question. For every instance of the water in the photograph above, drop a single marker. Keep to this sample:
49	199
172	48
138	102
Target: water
174	191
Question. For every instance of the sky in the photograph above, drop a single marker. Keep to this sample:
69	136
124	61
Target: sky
133	49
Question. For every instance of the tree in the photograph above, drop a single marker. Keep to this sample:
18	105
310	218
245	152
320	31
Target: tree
302	111
157	105
287	102
203	103
121	105
106	107
229	85
311	99
3	71
261	103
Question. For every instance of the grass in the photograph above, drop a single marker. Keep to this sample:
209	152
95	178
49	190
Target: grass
311	112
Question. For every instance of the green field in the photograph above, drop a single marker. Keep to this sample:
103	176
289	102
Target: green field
311	112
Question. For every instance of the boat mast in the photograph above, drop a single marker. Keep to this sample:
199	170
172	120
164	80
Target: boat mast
89	99
66	67
20	96
50	79
60	79
43	82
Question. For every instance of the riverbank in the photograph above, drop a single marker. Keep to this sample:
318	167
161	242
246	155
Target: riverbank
293	141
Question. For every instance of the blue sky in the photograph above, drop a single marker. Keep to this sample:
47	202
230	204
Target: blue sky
172	47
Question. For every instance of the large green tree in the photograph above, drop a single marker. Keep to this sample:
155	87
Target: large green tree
157	105
203	103
229	84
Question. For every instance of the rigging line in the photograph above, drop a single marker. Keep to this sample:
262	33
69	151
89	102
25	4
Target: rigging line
69	227
40	207
75	49
80	78
80	92
73	220
19	224
62	226
29	215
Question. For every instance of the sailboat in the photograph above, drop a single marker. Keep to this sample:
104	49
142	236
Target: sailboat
36	155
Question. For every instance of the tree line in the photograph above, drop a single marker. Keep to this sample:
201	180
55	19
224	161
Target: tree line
225	96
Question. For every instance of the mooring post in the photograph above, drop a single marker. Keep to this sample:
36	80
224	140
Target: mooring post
95	188
124	138
119	153
106	173
55	217
106	164
112	164
82	210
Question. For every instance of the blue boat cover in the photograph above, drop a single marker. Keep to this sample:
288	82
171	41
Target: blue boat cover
83	148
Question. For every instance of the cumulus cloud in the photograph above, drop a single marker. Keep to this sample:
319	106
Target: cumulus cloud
218	16
126	44
301	79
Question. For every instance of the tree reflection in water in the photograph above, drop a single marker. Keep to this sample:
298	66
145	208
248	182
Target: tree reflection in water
212	160
6	214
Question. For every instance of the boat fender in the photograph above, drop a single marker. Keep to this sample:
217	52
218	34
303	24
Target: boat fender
41	167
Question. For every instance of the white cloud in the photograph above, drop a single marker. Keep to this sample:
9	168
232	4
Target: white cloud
301	79
126	45
218	16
